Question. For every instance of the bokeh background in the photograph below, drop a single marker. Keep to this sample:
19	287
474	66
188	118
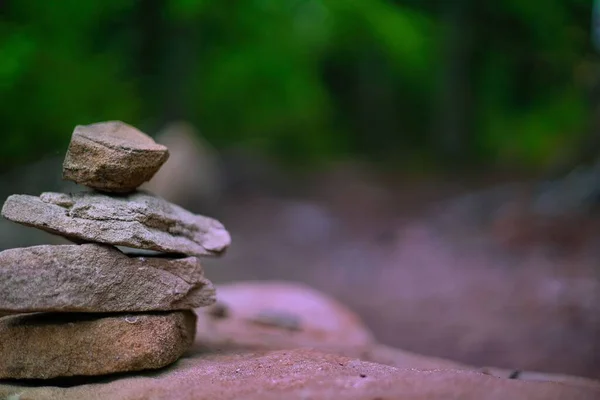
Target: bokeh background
432	164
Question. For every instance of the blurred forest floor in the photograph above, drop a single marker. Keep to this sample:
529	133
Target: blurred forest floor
435	267
451	266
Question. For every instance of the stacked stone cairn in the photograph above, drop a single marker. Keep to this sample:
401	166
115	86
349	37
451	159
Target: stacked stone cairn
92	308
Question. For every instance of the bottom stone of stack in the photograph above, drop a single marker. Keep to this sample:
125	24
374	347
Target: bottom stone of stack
51	345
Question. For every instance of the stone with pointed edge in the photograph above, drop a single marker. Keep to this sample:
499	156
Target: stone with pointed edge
112	157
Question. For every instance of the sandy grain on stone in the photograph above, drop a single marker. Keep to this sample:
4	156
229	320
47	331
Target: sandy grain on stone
305	374
48	345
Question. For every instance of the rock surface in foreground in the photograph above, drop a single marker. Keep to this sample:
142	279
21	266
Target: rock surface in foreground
112	156
98	278
303	374
49	345
139	220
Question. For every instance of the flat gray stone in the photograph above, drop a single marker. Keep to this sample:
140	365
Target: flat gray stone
98	278
139	220
50	345
112	156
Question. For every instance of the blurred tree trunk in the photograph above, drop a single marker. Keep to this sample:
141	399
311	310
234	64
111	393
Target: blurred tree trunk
375	104
587	152
455	112
151	27
165	62
588	149
179	65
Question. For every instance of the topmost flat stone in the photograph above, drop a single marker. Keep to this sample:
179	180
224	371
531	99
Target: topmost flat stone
112	157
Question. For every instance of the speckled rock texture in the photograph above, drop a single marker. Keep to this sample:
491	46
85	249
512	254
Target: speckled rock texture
139	220
112	157
48	345
98	278
300	374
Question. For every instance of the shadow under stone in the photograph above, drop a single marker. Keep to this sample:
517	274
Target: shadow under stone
72	381
61	318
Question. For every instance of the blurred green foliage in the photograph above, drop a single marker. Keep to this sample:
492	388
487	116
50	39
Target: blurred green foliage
303	80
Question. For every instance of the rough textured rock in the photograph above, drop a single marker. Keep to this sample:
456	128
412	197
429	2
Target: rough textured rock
301	374
98	278
48	345
139	220
112	156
